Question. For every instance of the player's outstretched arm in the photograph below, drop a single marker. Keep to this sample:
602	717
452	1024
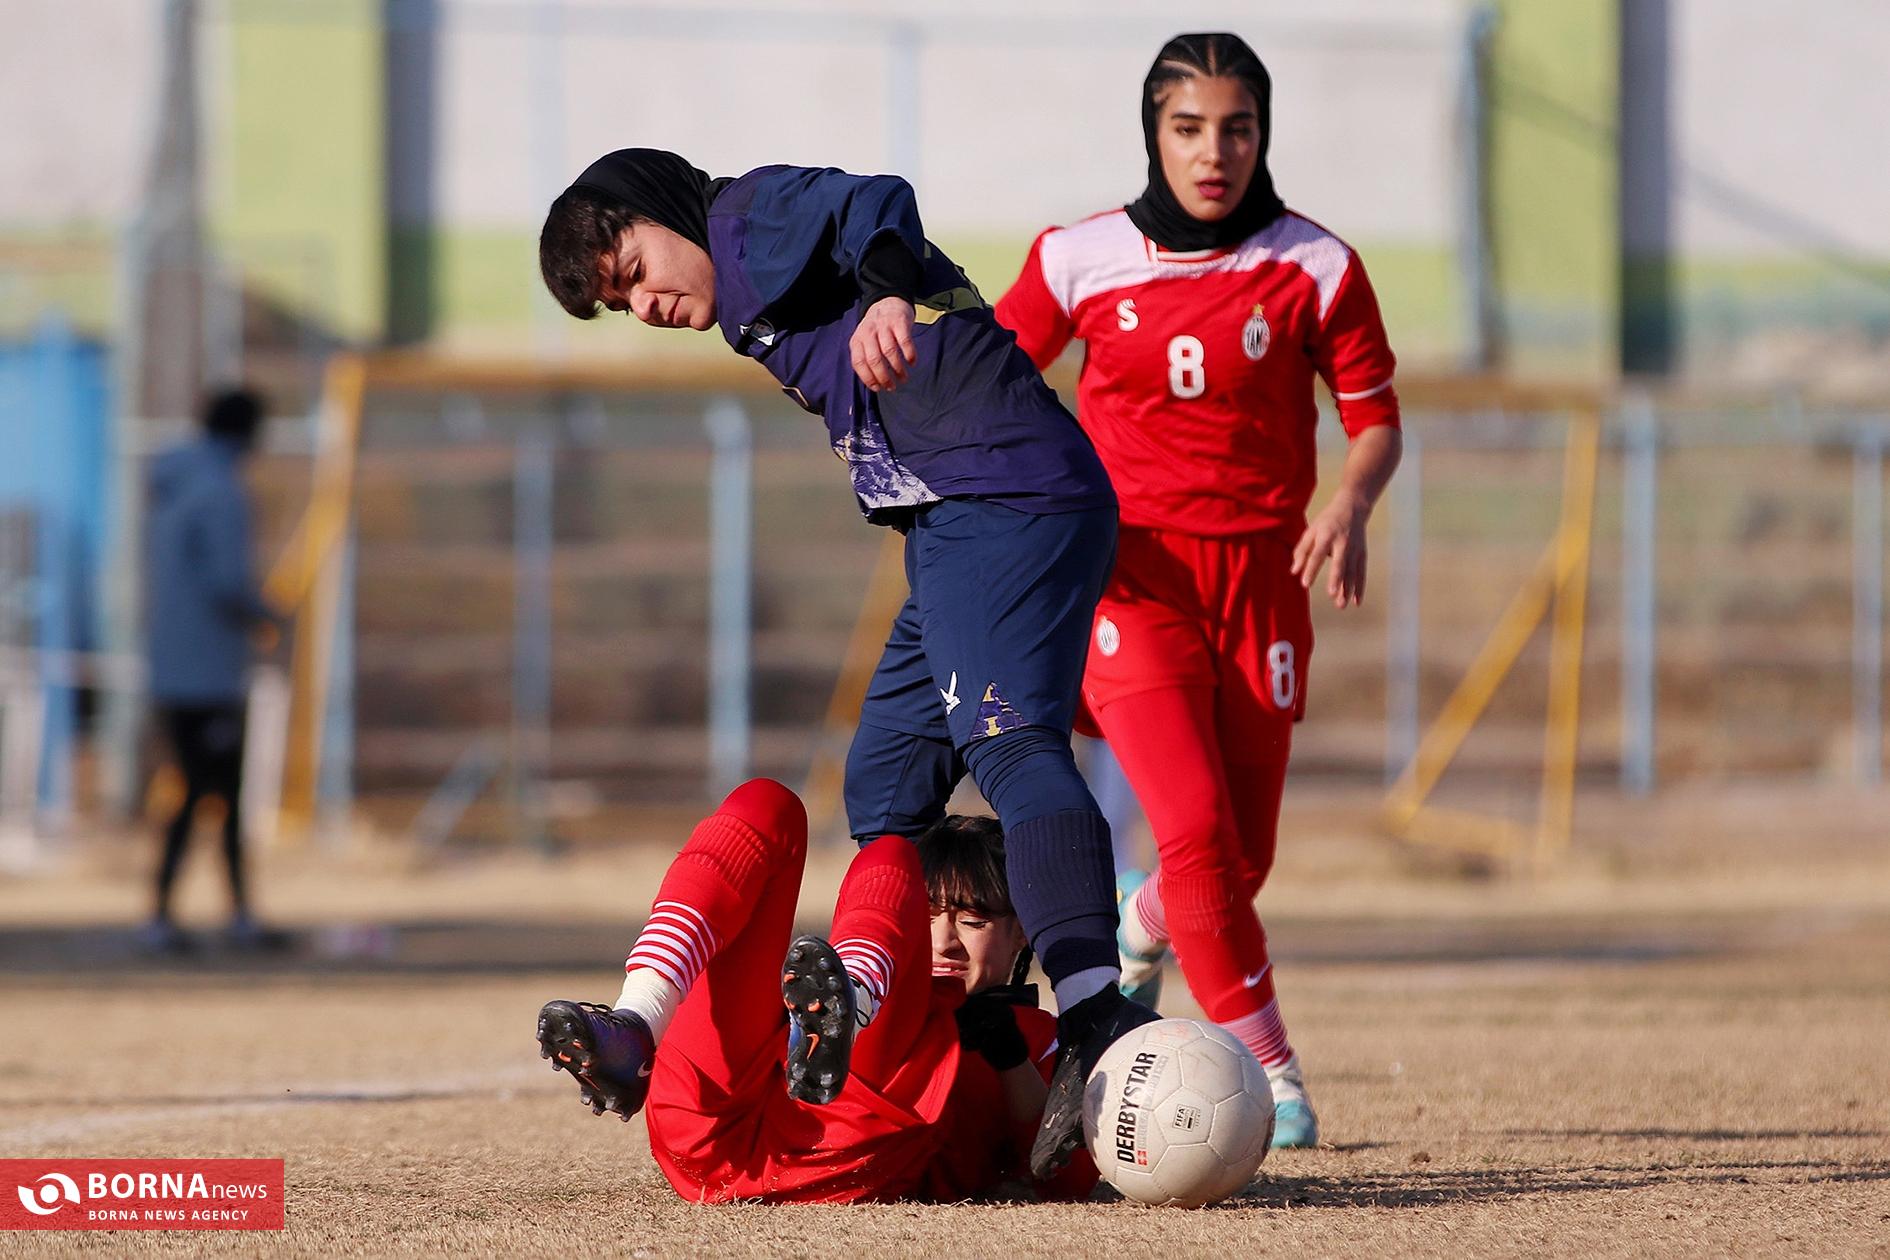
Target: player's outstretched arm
1337	533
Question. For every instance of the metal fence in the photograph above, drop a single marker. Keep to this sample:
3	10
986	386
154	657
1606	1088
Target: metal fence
1734	602
568	589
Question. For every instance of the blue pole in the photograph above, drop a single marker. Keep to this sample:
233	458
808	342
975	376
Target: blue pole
904	56
54	483
1867	603
531	631
1640	488
731	580
1404	610
1473	242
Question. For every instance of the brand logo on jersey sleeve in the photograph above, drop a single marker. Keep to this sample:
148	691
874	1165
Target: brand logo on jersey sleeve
1256	336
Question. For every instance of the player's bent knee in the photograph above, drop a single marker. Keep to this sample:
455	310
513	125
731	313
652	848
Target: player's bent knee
769	807
1028	773
896	783
1253	877
889	850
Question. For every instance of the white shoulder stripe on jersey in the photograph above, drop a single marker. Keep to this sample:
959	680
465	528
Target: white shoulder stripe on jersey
1379	388
1310	247
1108	252
1094	256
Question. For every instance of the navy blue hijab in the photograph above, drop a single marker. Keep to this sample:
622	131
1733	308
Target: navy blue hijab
659	186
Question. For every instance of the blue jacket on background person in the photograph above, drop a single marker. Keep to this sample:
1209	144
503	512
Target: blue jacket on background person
201	597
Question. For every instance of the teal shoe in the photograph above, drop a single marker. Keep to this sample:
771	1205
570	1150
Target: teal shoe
1141	973
1294	1125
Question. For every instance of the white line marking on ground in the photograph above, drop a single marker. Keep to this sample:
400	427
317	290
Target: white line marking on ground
498	1084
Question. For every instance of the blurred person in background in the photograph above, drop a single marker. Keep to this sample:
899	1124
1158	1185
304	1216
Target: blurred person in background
1207	309
202	609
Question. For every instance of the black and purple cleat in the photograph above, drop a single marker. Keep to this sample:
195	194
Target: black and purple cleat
1084	1032
609	1052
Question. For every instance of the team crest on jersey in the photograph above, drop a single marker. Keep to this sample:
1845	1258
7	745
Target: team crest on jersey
1256	336
1108	637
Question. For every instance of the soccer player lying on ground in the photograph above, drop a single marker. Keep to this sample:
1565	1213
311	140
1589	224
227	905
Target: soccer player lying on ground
952	438
897	1084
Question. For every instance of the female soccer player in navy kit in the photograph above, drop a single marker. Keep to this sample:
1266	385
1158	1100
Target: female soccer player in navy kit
1206	309
939	1095
950	436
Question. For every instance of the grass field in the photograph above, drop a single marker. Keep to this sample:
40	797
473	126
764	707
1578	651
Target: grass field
1678	1046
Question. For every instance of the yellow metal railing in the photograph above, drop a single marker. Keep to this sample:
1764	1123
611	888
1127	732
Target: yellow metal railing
1556	589
306	580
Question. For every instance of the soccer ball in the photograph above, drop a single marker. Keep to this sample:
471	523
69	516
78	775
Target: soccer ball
1178	1113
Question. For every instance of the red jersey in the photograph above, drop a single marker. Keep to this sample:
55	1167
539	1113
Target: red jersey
937	1130
1197	384
981	1149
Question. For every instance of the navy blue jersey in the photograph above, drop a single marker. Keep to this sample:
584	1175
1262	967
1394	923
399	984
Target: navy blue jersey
973	420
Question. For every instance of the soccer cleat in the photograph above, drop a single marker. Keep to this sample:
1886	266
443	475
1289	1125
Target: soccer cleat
1294	1124
609	1052
822	1020
1083	1032
1141	973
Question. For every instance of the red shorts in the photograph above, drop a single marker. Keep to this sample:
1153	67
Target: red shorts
721	1124
918	1117
1183	610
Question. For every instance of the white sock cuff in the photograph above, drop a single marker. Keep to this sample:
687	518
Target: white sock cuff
1086	983
1287	1081
648	994
1144	937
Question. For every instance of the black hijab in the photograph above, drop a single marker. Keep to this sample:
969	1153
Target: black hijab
1156	212
657	185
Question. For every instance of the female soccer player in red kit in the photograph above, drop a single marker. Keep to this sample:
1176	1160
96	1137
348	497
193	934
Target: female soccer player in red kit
898	1058
1207	309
